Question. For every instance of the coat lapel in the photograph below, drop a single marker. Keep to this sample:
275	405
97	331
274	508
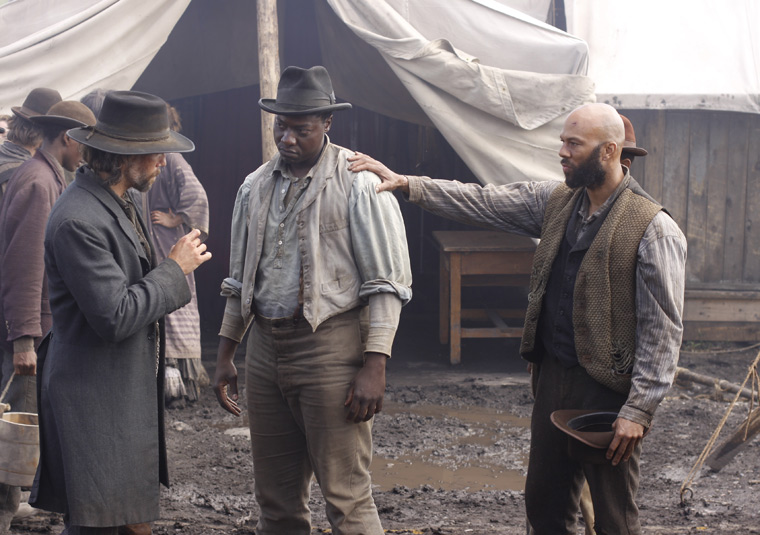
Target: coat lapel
87	181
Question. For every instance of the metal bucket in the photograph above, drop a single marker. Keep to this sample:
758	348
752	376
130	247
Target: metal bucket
19	448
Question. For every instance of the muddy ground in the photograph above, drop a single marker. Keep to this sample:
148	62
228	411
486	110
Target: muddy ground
451	450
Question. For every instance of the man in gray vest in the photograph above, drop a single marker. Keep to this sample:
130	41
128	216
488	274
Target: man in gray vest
312	245
603	326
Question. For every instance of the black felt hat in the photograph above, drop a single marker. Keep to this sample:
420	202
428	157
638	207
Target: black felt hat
131	122
303	92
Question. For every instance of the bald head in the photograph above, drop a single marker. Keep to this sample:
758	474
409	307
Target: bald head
601	122
592	142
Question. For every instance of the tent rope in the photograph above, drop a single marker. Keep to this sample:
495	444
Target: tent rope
751	373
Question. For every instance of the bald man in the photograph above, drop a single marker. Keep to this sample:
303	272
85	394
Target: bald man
603	326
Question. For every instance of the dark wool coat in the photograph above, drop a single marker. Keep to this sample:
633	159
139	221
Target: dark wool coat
102	448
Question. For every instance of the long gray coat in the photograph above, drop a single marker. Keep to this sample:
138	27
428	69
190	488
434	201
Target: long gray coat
101	399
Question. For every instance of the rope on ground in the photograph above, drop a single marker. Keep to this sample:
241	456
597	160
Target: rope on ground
720	351
751	373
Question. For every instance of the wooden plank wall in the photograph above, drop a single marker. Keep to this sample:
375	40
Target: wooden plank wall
704	166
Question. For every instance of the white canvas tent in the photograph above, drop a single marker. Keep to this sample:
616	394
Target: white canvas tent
463	70
677	54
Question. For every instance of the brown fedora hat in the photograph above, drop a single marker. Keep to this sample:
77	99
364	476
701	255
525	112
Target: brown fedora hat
629	145
37	102
131	122
303	92
590	433
66	114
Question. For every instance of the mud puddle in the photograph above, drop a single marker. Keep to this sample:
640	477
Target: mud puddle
425	467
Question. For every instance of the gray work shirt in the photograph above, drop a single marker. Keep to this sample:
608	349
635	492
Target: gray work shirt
660	274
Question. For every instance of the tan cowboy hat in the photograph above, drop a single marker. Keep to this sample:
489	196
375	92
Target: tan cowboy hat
66	114
303	92
37	102
629	145
131	122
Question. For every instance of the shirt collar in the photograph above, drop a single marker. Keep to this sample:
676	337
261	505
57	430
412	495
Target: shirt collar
606	204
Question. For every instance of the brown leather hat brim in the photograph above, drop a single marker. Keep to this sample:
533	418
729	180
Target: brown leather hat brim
57	120
595	439
271	106
636	151
174	142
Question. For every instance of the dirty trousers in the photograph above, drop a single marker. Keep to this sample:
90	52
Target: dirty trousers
296	385
554	481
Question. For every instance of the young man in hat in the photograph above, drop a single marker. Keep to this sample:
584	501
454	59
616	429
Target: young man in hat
603	326
102	447
312	244
24	307
24	136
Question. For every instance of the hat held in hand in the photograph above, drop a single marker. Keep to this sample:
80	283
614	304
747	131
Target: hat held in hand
590	433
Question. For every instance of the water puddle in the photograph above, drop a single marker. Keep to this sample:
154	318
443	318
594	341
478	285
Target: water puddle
414	470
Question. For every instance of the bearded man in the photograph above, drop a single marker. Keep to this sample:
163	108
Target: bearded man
603	326
100	381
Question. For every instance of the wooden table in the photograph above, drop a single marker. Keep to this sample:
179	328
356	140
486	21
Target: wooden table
480	258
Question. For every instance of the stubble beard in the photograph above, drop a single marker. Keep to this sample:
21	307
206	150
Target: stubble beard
137	179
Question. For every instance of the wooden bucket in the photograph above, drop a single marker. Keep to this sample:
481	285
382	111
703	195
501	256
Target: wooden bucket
19	448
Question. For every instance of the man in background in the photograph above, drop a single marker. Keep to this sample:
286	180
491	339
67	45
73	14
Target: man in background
24	306
24	136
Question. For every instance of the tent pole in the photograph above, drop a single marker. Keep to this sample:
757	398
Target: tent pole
269	68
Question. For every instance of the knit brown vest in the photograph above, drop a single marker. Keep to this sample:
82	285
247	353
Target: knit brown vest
605	335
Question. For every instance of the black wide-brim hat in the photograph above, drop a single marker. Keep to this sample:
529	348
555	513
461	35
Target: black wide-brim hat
303	92
131	122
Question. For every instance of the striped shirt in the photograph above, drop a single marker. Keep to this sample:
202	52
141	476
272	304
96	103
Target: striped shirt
660	272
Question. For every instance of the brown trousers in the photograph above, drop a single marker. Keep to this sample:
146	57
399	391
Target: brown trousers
296	385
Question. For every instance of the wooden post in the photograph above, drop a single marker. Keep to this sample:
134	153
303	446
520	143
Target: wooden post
739	439
269	68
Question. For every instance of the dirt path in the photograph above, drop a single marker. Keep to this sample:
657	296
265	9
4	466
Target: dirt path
451	451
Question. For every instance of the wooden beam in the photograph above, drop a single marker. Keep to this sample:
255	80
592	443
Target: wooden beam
684	374
745	331
740	438
269	68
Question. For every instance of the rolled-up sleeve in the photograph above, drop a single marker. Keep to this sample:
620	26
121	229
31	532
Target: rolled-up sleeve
233	323
660	281
382	256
